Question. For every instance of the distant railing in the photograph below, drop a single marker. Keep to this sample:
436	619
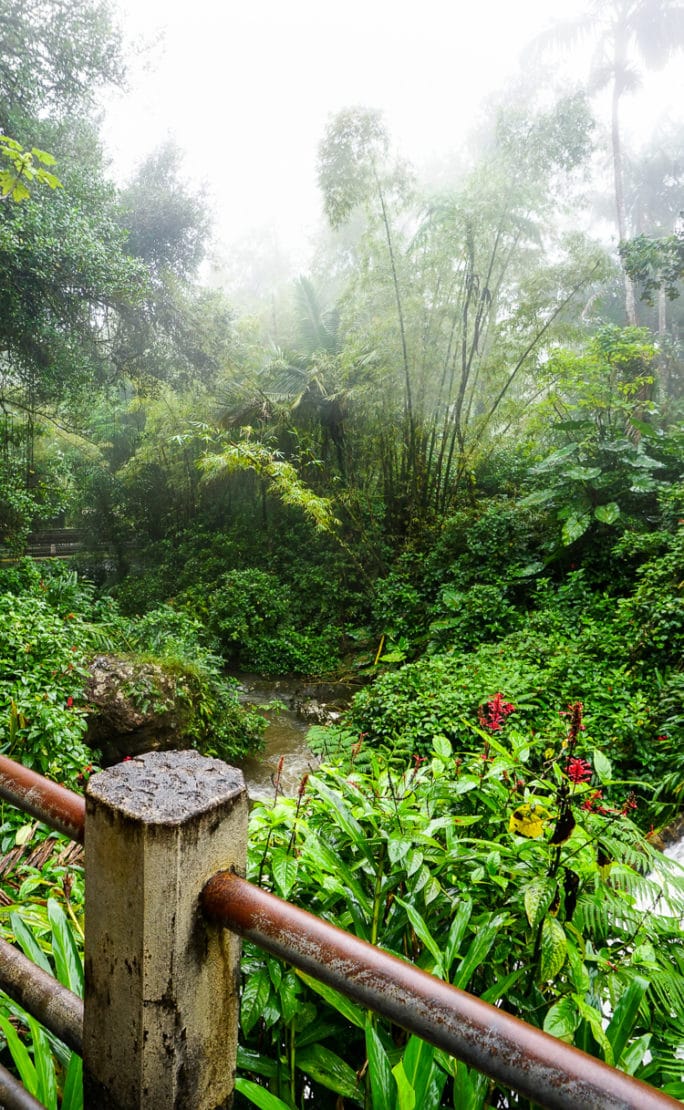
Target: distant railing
165	838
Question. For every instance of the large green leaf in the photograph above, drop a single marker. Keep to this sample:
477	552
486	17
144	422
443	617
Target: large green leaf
562	1020
382	1083
406	1096
575	527
422	932
28	943
553	949
607	514
284	867
259	1096
329	1069
418	1064
624	1016
582	473
44	1064
72	1094
457	932
338	1001
20	1057
478	950
538	897
254	997
68	963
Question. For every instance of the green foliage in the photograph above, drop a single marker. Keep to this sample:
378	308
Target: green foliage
604	472
655	264
26	167
42	671
45	919
215	723
491	862
249	615
280	475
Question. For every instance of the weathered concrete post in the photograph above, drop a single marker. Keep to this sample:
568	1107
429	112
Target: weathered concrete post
161	995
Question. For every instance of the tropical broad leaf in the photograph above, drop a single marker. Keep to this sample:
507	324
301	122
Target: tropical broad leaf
575	527
349	1010
538	897
626	1013
259	1096
254	997
602	766
382	1083
562	1020
329	1069
607	514
554	947
68	963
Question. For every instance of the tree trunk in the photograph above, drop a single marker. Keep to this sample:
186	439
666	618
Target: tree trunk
620	210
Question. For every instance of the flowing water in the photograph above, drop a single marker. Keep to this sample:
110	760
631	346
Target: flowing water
285	736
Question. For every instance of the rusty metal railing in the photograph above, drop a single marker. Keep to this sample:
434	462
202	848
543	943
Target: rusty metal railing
547	1070
58	1009
14	1096
56	806
550	1072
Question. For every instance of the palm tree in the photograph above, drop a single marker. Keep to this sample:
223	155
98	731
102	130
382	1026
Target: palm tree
649	31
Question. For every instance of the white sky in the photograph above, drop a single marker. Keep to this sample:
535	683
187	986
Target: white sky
246	89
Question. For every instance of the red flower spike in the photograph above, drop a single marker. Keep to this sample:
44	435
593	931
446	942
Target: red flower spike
493	714
578	770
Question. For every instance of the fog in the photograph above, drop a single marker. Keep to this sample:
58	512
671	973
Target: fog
246	91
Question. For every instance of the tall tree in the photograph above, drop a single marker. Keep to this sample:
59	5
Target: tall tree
54	56
624	31
452	299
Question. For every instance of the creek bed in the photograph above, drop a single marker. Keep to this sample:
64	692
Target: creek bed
285	737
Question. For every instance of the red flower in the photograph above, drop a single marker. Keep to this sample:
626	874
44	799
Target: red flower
589	802
493	714
70	702
578	770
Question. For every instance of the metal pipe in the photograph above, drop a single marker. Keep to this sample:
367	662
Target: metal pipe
14	1096
58	807
551	1073
55	1007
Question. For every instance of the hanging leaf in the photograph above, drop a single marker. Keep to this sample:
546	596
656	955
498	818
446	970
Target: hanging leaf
538	897
331	1071
254	999
602	766
259	1096
554	948
382	1083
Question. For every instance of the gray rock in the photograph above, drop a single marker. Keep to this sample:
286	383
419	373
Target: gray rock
135	707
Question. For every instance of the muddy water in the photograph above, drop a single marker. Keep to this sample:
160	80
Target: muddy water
285	736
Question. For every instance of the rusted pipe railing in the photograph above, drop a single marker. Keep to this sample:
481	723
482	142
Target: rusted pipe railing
550	1072
13	1096
58	807
55	1007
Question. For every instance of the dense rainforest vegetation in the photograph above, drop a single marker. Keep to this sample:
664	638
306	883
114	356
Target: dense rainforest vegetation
447	462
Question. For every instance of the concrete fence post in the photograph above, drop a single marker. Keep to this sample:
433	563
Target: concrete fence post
161	994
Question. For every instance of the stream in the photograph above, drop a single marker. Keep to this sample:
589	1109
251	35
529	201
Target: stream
296	707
